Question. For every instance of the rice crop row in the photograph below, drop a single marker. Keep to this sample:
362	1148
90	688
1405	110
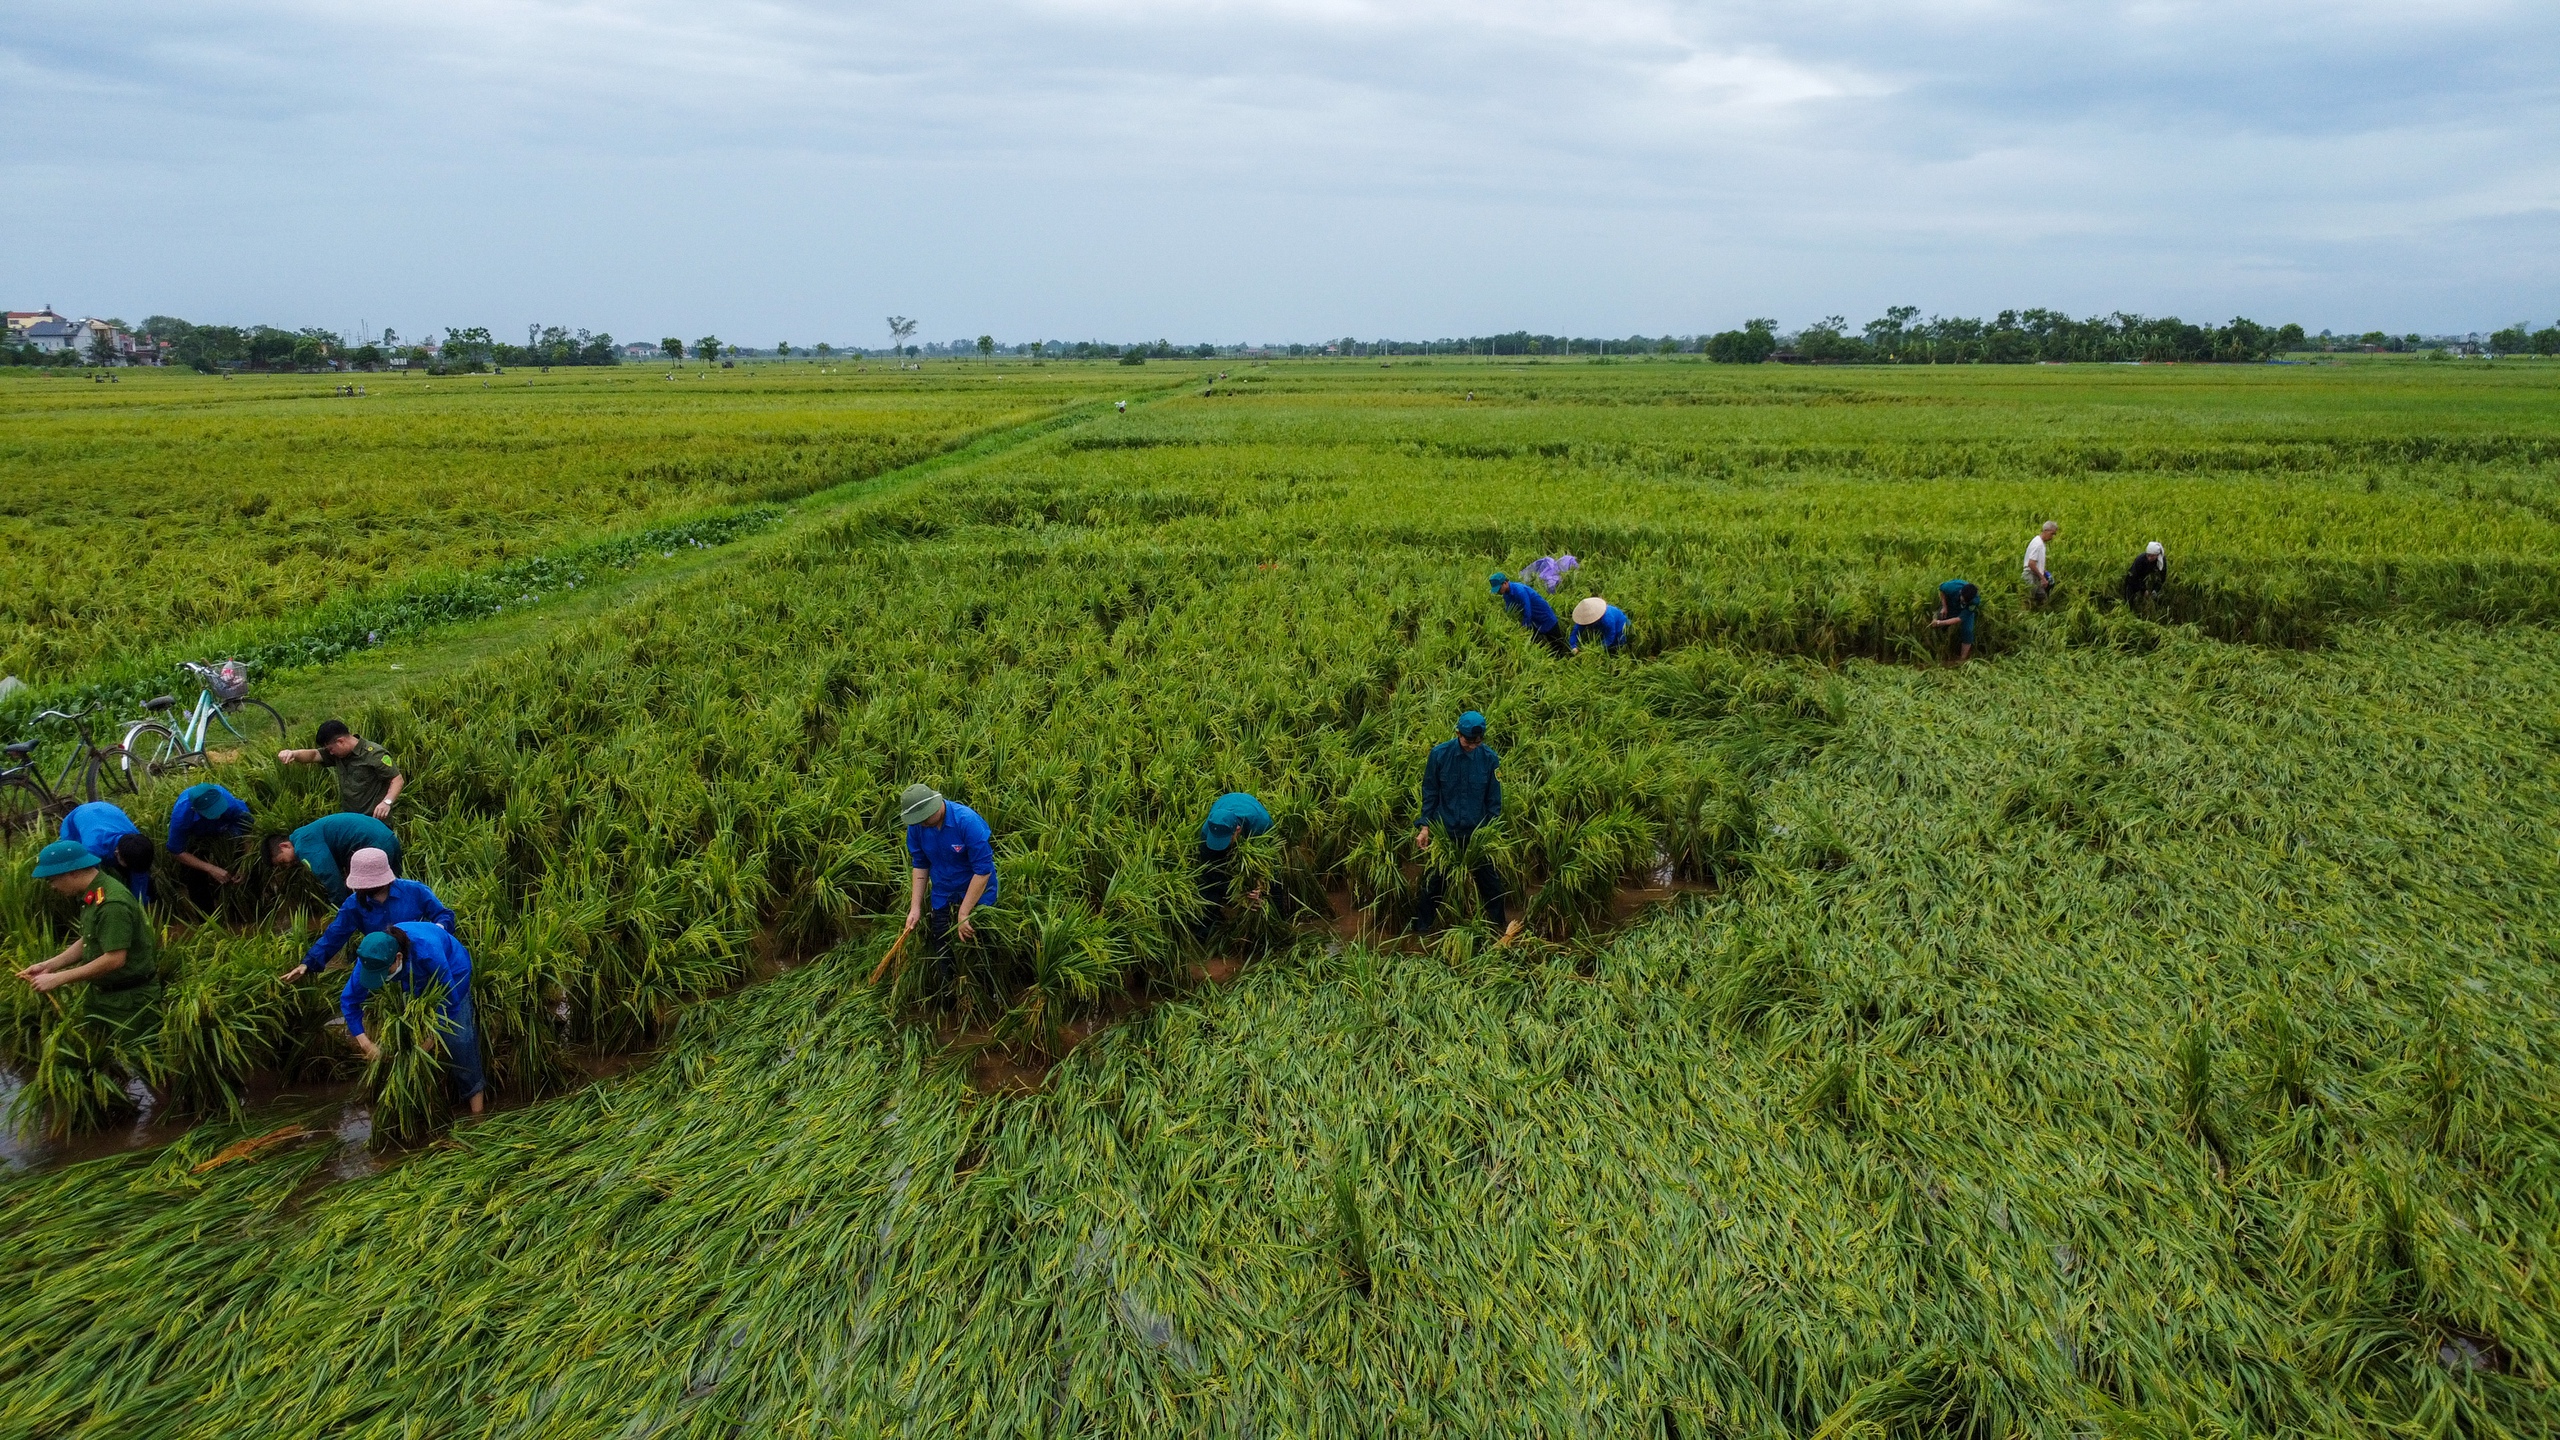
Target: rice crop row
2075	1051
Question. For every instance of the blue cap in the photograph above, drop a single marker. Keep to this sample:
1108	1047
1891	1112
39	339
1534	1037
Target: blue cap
210	801
1471	723
1498	579
374	955
64	857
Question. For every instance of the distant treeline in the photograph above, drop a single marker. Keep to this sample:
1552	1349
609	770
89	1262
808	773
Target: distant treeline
2013	337
267	347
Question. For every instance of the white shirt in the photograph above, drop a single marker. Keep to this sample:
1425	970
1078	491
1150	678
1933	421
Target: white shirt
2035	553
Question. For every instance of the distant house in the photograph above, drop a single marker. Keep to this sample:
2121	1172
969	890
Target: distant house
638	352
52	337
22	320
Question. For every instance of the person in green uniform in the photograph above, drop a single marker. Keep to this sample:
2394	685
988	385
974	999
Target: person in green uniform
117	955
368	779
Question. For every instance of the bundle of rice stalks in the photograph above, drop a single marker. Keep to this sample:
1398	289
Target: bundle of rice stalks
409	1083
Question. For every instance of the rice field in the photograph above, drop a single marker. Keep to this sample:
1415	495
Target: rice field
171	504
2144	1029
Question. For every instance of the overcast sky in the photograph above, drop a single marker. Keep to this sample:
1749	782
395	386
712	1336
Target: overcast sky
1279	169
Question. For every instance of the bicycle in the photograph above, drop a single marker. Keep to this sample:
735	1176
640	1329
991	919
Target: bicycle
29	799
160	748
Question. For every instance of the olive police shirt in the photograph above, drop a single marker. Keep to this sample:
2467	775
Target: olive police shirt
364	777
112	920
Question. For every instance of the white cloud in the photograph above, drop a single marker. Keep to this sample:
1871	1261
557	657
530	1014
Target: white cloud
1277	167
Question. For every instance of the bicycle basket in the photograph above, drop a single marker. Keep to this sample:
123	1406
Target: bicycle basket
229	680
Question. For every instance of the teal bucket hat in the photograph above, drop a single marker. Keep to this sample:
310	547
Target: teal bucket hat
1497	580
374	955
210	801
1471	723
64	857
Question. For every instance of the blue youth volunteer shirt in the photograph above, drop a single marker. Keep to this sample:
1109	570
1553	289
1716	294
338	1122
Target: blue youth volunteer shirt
959	848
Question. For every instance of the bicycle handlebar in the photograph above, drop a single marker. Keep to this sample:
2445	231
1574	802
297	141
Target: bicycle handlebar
74	715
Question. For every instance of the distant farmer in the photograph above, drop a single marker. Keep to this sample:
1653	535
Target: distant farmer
1549	570
1958	600
107	833
1461	795
1532	611
117	954
2150	571
413	955
368	780
952	860
1597	620
1234	818
2039	576
329	844
1124	407
205	829
377	900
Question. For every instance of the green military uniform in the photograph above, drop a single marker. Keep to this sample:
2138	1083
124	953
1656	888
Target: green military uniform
364	776
112	920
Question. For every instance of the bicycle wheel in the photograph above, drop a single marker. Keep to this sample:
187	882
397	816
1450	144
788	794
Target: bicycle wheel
154	750
24	806
111	771
249	719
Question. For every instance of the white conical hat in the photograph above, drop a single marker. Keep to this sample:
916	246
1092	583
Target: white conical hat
1590	611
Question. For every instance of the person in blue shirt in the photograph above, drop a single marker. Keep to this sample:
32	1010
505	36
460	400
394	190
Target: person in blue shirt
1234	818
377	901
952	858
1958	600
1461	795
413	955
1597	619
207	822
105	831
327	844
1532	611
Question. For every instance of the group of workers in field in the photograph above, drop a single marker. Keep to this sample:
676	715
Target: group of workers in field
403	937
1960	600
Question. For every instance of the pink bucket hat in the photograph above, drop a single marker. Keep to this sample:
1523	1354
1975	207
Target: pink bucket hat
368	869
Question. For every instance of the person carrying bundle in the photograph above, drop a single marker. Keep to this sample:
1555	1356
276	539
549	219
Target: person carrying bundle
1597	619
207	820
1234	817
952	859
106	832
1460	794
377	900
117	954
1532	611
1958	600
328	846
368	780
414	954
2149	572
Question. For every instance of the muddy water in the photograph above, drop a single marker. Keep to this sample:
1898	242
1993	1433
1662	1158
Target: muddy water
339	1108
